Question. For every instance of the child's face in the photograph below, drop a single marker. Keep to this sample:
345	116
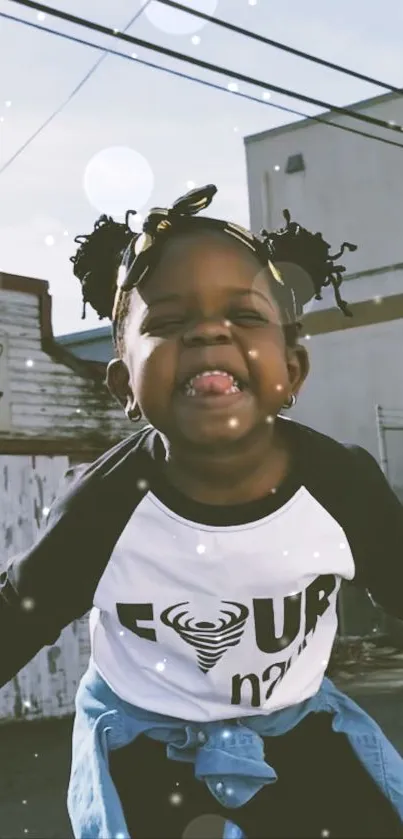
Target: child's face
206	307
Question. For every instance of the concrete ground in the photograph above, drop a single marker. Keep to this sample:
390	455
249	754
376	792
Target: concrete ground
35	763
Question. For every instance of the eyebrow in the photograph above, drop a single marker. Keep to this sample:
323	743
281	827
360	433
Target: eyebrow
233	292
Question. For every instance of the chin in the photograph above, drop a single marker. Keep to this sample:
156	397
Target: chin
213	435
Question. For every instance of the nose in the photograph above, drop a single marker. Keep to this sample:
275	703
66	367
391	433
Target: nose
208	332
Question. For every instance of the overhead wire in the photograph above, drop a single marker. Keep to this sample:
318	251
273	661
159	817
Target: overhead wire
205	65
248	33
71	96
203	82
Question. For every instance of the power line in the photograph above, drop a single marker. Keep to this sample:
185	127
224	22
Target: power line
181	75
205	65
232	27
70	97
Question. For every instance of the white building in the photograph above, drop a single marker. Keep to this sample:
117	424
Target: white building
349	188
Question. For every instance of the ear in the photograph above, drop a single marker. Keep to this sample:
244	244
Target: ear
118	381
298	367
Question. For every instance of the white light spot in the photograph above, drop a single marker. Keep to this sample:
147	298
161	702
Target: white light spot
49	241
229	791
137	223
134	55
45	511
195	40
190	184
115	177
391	122
325	833
116	31
8	103
1	119
29	362
177	784
219	786
253	353
201	549
78	410
176	799
279	388
270	419
378	299
226	734
325	662
274	490
285	553
65	232
266	95
233	87
121	633
41	16
252	2
233	422
276	167
227	324
36	754
24	801
142	485
316	554
26	703
120	836
307	337
160	666
175	22
28	604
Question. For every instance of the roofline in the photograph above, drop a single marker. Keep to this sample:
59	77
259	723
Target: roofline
40	289
87	335
324	115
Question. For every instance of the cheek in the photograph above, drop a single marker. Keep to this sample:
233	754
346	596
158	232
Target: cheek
154	370
268	361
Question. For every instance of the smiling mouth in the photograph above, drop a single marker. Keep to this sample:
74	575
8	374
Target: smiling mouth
212	383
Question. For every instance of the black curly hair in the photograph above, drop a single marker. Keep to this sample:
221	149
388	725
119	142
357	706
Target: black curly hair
299	262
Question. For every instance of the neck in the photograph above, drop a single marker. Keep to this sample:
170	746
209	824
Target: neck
259	466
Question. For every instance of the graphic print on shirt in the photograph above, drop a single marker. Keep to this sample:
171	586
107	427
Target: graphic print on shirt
212	639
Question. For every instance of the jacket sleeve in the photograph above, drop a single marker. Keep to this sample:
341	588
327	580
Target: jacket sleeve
53	583
380	515
39	594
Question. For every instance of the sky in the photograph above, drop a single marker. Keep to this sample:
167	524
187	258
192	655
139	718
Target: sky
135	137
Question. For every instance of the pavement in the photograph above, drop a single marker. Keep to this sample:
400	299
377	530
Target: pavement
35	758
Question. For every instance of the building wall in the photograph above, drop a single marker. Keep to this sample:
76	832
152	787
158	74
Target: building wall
352	371
47	399
351	187
91	345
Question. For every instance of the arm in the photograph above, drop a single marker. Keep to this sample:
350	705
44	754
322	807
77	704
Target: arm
53	583
37	597
380	512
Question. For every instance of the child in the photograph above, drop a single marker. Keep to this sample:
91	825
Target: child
212	545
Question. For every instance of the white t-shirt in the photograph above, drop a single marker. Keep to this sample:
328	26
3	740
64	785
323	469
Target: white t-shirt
207	622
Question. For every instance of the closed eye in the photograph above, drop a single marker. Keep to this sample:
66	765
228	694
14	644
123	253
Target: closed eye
248	316
163	326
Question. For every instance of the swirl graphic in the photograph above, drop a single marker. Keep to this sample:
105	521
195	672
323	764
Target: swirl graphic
210	639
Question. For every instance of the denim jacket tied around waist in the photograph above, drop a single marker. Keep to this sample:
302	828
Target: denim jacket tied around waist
227	755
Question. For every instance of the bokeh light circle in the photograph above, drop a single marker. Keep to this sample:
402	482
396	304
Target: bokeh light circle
174	22
118	179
